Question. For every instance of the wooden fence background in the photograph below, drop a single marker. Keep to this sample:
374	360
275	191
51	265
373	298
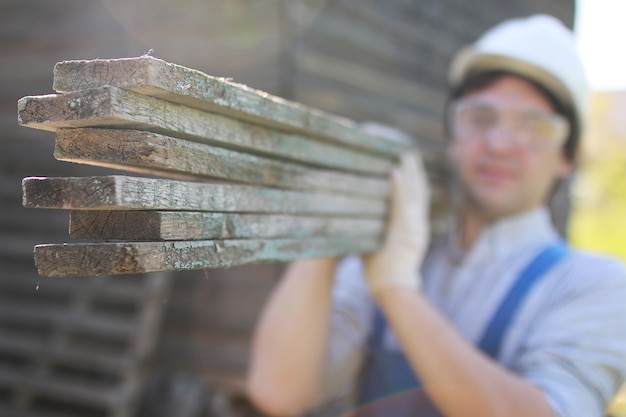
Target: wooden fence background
87	346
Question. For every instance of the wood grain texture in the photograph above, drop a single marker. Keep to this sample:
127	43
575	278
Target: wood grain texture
89	259
117	192
155	153
117	108
365	79
171	225
155	77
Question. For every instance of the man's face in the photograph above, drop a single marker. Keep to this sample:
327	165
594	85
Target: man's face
505	147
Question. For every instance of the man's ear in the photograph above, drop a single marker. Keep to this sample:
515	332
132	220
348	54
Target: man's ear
565	168
452	151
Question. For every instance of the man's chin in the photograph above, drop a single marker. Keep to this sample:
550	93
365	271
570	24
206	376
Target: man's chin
494	206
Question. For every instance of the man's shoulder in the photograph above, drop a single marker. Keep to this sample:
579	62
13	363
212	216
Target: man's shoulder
587	272
585	260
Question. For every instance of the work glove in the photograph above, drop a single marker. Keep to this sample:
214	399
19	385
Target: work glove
397	262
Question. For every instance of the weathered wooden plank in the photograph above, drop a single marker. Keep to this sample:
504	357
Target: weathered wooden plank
111	258
209	353
152	76
178	225
25	315
365	79
341	98
435	38
21	282
78	391
338	31
226	310
155	153
89	359
117	192
114	107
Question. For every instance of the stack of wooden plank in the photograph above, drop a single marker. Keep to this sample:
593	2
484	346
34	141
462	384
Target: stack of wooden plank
234	175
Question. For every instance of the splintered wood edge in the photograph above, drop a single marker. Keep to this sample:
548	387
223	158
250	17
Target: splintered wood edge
153	76
113	107
98	145
117	192
91	259
150	152
186	225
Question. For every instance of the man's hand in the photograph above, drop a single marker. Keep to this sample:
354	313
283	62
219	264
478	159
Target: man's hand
397	263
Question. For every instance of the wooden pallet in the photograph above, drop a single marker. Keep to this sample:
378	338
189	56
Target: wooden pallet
76	348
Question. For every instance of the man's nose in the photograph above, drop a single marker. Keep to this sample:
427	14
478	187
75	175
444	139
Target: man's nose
502	138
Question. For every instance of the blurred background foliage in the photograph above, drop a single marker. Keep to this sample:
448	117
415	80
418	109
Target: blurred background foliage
598	219
598	196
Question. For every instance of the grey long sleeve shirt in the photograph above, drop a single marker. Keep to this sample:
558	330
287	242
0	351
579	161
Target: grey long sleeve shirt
568	338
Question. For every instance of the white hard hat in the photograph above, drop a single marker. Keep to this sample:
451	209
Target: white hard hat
538	47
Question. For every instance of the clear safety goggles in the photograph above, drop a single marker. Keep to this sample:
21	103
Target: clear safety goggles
474	120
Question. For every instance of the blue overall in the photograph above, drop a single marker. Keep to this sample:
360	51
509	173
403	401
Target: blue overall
389	386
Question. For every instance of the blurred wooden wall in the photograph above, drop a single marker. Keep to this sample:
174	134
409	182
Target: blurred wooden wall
383	60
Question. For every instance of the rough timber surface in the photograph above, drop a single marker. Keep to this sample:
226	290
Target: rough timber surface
152	76
118	192
116	108
188	225
111	258
155	153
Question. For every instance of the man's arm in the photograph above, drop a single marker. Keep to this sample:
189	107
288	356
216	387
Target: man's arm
460	380
288	358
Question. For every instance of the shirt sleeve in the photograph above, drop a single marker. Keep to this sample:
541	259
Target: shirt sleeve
351	314
576	349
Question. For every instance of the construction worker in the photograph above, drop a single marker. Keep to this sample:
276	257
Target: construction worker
497	318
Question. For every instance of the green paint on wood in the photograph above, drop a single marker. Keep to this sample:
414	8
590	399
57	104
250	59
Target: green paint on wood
155	77
172	225
156	153
113	107
119	192
88	259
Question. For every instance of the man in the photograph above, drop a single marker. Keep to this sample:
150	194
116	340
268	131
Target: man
517	103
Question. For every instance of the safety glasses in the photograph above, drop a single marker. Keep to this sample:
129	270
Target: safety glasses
474	120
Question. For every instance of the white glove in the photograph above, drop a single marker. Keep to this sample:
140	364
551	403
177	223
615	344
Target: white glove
397	263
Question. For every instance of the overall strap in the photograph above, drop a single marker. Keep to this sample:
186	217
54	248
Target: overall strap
375	340
389	385
492	338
